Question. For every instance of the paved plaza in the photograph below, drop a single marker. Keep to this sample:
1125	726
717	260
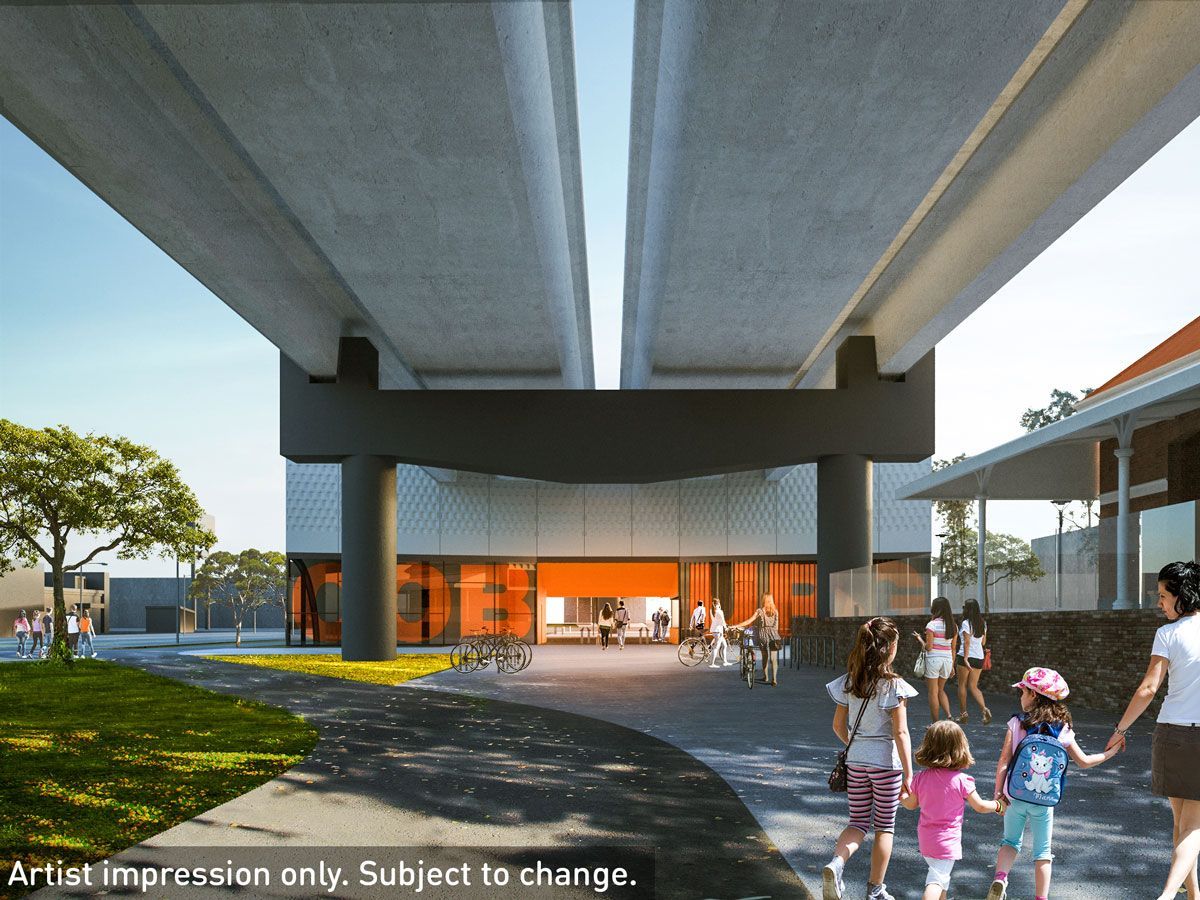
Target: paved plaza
586	747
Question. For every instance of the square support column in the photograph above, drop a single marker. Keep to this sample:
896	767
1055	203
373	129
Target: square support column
368	558
845	500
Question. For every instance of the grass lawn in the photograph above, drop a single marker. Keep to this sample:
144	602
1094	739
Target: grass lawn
96	757
402	668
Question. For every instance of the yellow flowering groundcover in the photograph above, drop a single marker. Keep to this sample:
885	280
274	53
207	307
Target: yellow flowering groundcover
97	757
404	667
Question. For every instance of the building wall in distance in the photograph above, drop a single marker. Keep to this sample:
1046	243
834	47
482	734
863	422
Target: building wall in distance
129	598
480	515
20	589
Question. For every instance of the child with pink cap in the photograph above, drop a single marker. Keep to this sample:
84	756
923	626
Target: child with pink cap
1031	774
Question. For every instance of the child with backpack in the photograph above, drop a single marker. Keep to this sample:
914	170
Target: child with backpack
1032	773
942	790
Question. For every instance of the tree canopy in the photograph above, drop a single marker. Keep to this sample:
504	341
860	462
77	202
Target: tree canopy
60	489
244	582
1061	405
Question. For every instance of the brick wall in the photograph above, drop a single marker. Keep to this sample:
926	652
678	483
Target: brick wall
1103	655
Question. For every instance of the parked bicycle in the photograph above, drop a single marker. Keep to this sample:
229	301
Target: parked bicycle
479	650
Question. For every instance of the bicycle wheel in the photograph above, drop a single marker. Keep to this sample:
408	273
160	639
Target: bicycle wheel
508	659
526	654
693	651
459	658
748	668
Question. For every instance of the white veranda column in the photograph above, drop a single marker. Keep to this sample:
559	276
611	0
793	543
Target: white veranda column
981	554
1124	598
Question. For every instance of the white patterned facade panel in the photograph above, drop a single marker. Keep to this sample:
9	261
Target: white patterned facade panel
608	515
703	517
901	526
560	521
798	511
753	510
655	519
314	507
418	512
513	518
465	515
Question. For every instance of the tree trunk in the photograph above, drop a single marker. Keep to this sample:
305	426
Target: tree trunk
58	647
237	627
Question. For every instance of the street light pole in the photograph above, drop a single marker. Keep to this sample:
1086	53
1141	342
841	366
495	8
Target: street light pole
1058	568
941	561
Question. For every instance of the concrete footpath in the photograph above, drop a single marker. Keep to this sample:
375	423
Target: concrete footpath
424	768
775	746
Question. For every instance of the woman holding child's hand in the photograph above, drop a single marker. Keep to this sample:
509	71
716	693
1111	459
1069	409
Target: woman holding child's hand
1173	772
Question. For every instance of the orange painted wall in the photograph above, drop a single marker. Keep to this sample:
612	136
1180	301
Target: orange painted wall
608	579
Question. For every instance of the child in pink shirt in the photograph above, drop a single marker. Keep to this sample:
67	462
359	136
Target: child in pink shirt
942	790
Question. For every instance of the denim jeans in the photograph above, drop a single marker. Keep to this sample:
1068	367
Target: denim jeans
21	635
85	643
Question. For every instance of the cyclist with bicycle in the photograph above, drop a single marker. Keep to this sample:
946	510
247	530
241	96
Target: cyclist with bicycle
766	635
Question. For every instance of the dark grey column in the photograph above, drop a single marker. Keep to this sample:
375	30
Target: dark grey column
844	519
368	558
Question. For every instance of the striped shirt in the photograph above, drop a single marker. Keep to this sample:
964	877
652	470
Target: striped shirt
941	641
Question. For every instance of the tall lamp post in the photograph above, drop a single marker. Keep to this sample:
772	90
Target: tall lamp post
1058	568
941	560
179	587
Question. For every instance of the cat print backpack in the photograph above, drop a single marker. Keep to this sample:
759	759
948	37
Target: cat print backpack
1038	771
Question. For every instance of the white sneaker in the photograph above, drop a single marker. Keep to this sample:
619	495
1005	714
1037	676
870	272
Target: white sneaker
880	892
831	884
998	891
713	666
730	664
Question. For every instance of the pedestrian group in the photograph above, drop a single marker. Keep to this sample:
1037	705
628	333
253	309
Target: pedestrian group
34	636
1039	744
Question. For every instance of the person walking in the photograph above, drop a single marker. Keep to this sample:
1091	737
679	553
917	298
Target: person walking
699	619
879	758
604	623
622	622
938	644
1031	775
717	627
766	635
72	630
972	635
942	791
657	620
85	635
664	621
35	647
1175	656
47	633
21	630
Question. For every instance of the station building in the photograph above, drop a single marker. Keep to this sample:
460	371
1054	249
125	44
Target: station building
480	552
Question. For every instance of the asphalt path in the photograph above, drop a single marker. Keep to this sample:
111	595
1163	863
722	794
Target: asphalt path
409	767
775	746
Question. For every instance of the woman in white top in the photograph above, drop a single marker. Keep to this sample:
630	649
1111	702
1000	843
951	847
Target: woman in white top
717	627
1176	745
972	635
938	643
604	623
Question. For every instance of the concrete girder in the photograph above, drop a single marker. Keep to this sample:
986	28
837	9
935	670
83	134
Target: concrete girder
402	172
873	169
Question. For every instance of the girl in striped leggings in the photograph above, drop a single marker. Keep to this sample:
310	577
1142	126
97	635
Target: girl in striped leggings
880	756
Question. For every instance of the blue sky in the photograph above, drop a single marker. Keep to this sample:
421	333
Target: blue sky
102	331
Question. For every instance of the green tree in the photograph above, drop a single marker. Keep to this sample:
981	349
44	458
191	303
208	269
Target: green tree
244	582
957	551
57	486
1006	557
1061	405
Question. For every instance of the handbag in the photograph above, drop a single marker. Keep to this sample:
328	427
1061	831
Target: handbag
987	660
919	666
839	778
775	644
